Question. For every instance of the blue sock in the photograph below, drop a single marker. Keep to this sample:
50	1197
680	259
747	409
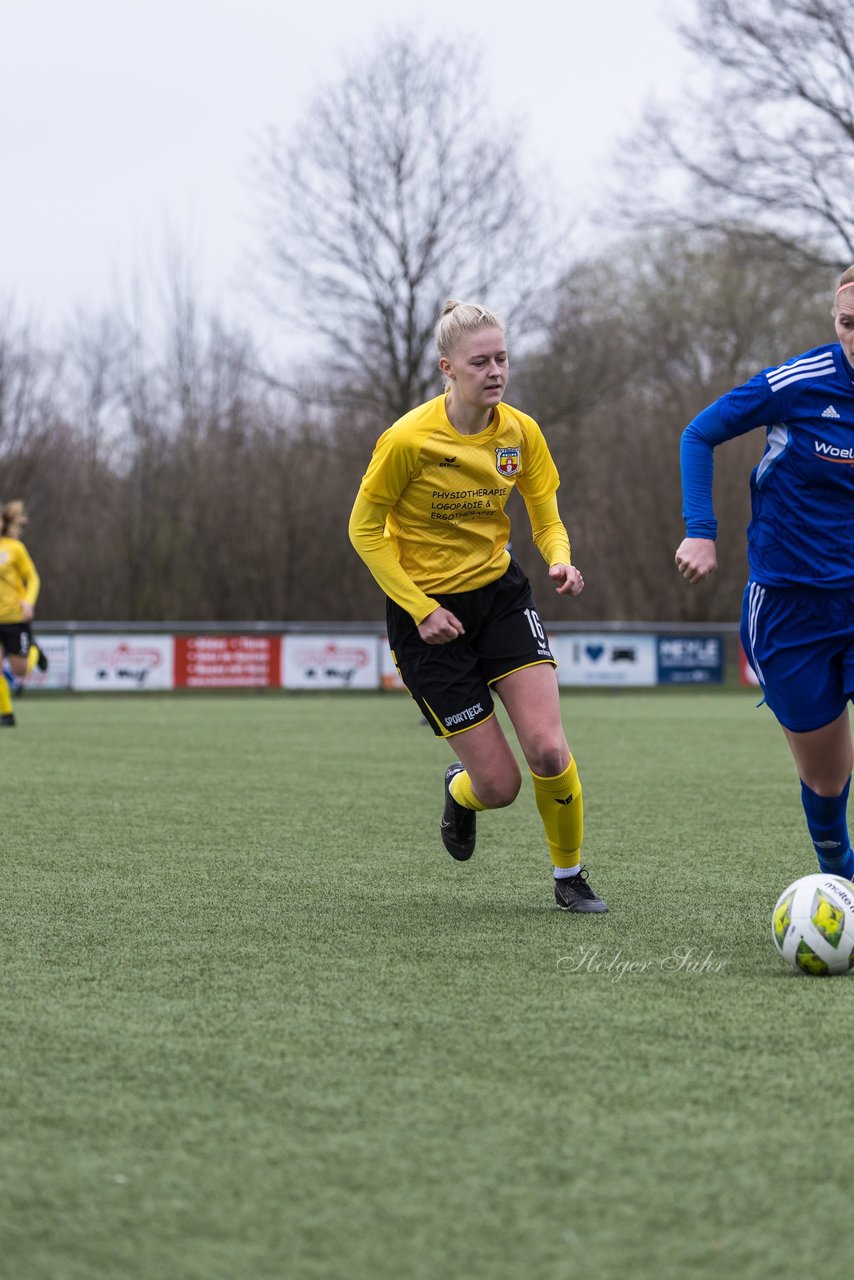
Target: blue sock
828	827
14	685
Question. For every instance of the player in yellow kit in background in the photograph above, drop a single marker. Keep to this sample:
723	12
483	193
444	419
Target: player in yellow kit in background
429	523
19	589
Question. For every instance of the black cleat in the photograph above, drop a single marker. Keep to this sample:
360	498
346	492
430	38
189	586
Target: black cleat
573	893
458	824
7	722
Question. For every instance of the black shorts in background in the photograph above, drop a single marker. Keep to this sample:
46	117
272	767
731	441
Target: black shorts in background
15	638
451	682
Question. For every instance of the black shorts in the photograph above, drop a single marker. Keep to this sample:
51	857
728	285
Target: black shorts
451	682
15	638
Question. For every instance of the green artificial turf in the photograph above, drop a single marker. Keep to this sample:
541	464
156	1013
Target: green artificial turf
257	1024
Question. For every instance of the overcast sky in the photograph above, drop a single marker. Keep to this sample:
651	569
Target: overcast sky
129	124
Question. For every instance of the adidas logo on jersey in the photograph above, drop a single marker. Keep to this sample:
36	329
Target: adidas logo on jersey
830	412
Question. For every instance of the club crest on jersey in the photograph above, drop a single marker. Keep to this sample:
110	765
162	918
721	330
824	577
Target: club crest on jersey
508	462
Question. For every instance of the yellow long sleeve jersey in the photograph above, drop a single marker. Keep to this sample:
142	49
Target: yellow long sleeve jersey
429	515
19	581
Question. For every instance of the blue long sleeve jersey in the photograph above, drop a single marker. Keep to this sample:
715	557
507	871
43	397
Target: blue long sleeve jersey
802	492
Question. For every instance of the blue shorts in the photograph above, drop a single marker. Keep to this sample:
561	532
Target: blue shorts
800	643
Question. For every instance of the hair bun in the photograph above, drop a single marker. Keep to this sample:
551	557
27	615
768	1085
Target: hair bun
12	518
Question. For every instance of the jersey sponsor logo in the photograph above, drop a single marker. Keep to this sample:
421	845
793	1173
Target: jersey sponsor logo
449	462
508	461
468	493
830	412
830	453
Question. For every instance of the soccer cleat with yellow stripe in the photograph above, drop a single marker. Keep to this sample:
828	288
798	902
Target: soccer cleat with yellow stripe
458	824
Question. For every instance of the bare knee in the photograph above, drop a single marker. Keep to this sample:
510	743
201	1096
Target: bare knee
824	757
826	783
498	790
547	759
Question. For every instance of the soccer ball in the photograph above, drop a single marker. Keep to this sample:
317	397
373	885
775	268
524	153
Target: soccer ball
813	924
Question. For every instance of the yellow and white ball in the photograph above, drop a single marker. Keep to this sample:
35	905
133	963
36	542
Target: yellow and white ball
813	924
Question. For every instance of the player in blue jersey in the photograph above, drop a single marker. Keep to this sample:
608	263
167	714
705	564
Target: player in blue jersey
797	623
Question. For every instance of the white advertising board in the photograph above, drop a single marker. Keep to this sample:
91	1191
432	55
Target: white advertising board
331	662
131	663
605	659
57	650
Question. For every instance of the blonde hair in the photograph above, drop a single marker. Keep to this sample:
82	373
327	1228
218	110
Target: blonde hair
458	319
846	280
12	519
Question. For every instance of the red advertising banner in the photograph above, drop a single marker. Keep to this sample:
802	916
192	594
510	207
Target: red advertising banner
227	662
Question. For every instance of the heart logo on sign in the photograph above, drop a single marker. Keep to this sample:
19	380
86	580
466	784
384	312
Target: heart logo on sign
594	651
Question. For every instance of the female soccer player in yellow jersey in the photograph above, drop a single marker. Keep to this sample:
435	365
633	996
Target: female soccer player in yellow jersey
19	589
429	523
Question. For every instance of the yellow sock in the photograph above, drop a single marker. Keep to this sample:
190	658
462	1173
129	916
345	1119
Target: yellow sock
5	697
32	657
463	794
562	812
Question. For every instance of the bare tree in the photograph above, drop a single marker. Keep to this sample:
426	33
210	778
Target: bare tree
768	141
639	343
401	187
30	380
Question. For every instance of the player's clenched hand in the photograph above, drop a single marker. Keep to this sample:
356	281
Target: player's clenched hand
696	558
569	581
440	626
